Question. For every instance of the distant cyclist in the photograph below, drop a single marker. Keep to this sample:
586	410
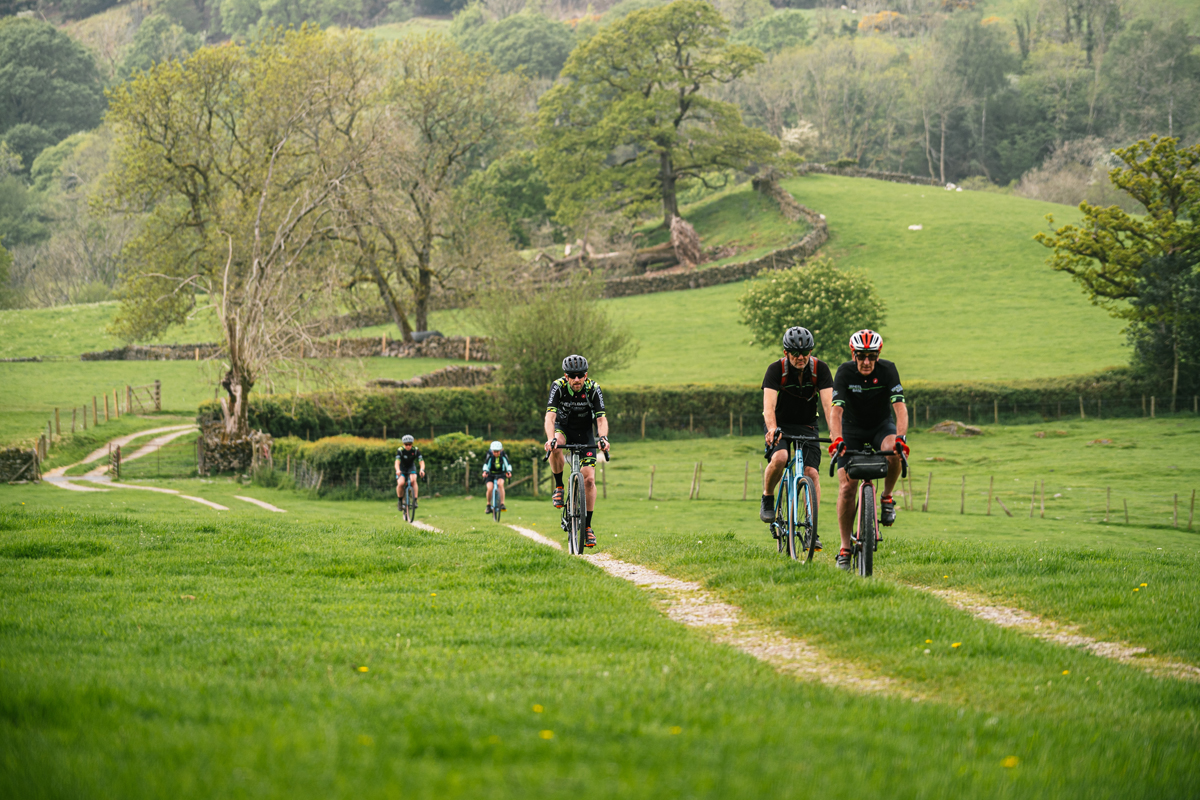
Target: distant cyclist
409	463
575	403
496	469
791	389
866	391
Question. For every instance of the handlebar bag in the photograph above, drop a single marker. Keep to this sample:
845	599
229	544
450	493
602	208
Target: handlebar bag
862	467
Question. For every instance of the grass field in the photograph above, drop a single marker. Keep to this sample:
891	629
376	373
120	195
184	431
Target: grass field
228	648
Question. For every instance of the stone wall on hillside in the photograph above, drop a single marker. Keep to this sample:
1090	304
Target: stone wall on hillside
158	352
455	375
18	464
855	172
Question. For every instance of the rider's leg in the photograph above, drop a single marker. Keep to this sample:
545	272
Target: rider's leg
774	471
488	494
415	484
500	481
557	465
847	490
589	486
400	486
815	476
889	483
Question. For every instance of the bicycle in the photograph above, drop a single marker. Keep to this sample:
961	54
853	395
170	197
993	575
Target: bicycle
406	504
866	466
574	515
496	498
795	506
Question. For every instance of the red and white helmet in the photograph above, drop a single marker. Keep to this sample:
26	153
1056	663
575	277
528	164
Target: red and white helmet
866	340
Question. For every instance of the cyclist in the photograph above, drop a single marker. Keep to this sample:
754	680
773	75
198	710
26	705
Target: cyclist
791	389
409	462
497	468
866	391
575	403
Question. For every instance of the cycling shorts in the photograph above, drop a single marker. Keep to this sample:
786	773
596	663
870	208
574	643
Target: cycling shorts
810	450
582	437
861	438
412	474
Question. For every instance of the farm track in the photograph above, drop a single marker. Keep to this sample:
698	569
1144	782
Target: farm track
1063	634
689	603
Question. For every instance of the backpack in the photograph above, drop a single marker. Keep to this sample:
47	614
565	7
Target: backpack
811	360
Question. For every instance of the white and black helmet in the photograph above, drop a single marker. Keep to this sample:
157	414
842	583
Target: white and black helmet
866	341
574	364
407	439
496	447
798	340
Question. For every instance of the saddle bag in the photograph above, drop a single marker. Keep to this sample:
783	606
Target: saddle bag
866	467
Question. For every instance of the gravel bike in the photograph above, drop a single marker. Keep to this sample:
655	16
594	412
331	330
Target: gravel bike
866	467
496	498
795	525
574	515
408	504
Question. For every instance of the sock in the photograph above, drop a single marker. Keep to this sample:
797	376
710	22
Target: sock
769	497
589	519
558	480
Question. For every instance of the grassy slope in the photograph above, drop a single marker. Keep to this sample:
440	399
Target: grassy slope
67	331
254	687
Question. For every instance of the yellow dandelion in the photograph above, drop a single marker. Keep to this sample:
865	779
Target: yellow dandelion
1066	672
1136	589
433	594
957	644
945	576
1010	762
364	668
537	709
547	735
929	641
676	730
364	740
1143	584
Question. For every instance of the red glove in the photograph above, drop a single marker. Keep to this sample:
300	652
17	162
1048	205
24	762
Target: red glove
836	447
902	445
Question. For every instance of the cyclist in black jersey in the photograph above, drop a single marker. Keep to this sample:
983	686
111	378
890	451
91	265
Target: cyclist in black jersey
575	403
792	389
866	391
409	463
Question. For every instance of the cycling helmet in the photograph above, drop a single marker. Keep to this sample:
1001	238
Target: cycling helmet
798	340
496	447
867	340
574	364
407	440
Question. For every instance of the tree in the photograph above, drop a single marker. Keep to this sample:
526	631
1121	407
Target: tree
775	32
1151	79
515	188
630	122
446	111
237	152
829	302
532	331
157	39
47	80
526	41
8	297
1136	266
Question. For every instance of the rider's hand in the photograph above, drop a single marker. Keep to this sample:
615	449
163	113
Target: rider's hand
773	436
901	445
604	443
507	475
549	445
836	447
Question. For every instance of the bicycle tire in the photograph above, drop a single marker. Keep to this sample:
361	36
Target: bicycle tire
495	501
794	546
779	526
866	539
808	508
578	508
409	513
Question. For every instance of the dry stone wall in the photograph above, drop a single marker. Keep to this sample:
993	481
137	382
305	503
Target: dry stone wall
855	172
455	375
165	352
17	464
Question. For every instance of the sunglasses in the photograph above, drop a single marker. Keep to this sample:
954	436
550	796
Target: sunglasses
799	352
866	356
575	376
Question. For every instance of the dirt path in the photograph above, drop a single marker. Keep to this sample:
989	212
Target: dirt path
691	604
102	452
1062	634
149	447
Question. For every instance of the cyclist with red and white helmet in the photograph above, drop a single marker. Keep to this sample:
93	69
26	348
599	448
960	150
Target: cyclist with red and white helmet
866	391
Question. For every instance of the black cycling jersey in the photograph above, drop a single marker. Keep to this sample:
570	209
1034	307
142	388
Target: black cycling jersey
409	459
798	391
867	399
496	463
575	411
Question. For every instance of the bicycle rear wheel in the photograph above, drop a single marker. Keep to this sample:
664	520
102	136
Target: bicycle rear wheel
806	506
779	526
409	512
794	545
866	531
496	502
578	508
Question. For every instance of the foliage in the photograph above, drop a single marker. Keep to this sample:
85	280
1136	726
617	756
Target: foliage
775	32
533	330
1139	267
8	297
515	188
829	302
239	151
633	121
1166	334
157	39
48	83
1152	78
743	13
251	17
21	219
526	41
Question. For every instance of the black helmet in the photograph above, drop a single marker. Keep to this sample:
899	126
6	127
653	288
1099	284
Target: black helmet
574	364
798	340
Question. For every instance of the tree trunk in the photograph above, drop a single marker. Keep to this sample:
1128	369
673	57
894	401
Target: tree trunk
942	156
666	176
236	410
424	289
1175	371
928	149
391	303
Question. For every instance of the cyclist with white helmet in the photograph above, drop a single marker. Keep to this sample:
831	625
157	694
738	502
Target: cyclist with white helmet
866	391
496	469
792	388
409	463
575	403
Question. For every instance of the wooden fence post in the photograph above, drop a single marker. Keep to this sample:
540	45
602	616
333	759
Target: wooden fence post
746	481
643	424
650	494
731	423
49	434
73	412
57	425
158	395
1001	502
1192	509
1043	498
741	424
928	488
1081	415
197	353
95	413
1151	406
466	476
1107	502
699	478
84	408
128	399
1126	502
690	422
383	345
467	354
116	405
105	407
996	413
357	470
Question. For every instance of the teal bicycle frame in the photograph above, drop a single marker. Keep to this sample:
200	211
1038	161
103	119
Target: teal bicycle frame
800	512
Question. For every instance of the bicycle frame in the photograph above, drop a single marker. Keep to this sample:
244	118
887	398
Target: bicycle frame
863	552
792	473
574	527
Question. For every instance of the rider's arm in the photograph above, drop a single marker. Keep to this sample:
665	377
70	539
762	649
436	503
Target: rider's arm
827	406
551	419
901	410
602	426
770	398
835	422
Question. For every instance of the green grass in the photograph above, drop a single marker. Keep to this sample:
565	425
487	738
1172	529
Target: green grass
253	687
67	331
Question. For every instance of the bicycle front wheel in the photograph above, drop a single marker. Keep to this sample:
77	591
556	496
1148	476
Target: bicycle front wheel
578	512
496	502
806	506
409	513
866	531
779	526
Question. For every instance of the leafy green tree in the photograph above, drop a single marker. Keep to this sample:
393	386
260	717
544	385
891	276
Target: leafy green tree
1152	78
157	39
532	331
47	80
514	187
527	40
1136	266
829	302
8	297
632	121
775	32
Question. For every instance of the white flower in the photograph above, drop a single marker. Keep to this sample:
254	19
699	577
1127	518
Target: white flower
914	227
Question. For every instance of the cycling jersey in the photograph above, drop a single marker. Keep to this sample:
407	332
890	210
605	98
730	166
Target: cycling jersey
496	464
867	399
409	460
575	412
798	391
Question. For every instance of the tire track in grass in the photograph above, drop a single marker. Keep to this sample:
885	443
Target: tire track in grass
261	504
425	526
1062	634
689	603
